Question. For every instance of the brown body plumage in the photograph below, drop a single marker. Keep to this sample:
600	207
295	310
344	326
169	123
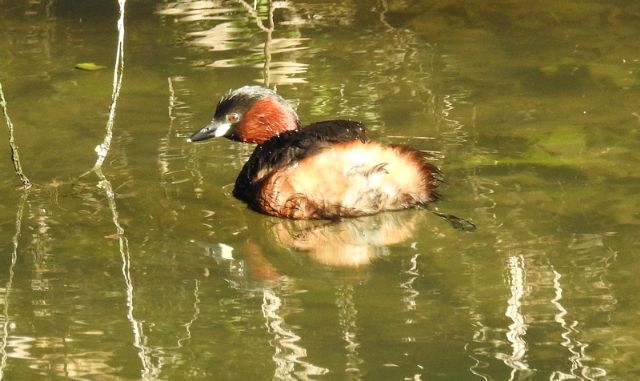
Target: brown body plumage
326	170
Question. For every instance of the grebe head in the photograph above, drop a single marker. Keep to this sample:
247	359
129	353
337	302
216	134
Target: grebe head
250	114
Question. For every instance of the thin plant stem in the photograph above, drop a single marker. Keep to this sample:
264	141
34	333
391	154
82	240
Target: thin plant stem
269	30
254	13
9	285
103	149
148	372
267	48
15	156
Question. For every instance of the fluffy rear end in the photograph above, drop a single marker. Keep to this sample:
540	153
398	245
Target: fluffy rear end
350	179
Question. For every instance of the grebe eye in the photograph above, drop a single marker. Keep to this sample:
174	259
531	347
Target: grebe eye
233	117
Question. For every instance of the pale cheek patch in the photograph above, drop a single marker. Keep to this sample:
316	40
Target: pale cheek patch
222	130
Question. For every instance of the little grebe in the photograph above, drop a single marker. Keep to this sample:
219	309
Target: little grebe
326	170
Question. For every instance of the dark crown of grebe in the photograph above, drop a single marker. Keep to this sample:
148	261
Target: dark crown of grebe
250	114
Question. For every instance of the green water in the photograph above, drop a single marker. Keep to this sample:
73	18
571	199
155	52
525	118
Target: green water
151	270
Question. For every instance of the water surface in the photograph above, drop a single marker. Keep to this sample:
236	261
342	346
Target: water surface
151	270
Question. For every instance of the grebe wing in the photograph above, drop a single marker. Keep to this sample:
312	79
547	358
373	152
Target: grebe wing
336	131
290	146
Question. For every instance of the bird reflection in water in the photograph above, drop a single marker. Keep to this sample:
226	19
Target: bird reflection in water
344	243
347	243
351	242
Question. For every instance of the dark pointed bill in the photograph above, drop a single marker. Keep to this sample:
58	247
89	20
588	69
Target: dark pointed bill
211	130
